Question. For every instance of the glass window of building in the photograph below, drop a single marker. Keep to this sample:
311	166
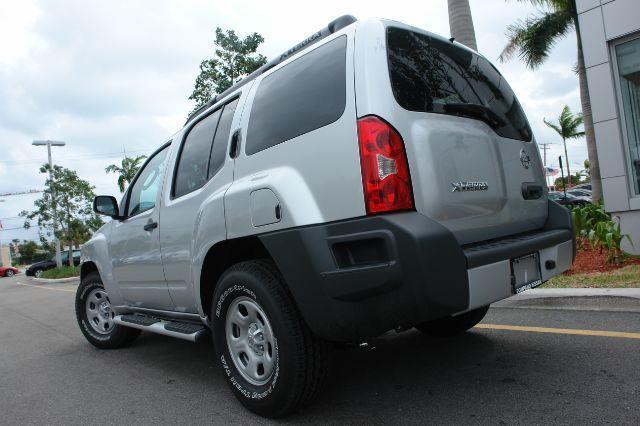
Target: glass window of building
628	58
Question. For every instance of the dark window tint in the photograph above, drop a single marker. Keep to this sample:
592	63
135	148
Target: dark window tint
300	97
221	140
434	75
193	161
145	189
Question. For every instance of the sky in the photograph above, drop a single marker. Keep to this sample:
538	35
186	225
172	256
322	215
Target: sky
106	77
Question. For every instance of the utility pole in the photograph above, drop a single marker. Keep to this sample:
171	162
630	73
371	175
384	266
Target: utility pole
49	144
545	147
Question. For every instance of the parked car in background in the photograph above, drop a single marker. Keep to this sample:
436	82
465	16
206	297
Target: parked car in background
579	192
37	268
586	186
570	200
8	271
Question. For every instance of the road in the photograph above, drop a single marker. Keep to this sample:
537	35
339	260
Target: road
50	375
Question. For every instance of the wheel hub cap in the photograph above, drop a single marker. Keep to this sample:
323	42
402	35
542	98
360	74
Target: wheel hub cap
255	339
250	340
99	313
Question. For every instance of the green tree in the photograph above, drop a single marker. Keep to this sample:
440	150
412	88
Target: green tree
28	251
234	58
576	179
65	204
127	170
568	127
533	39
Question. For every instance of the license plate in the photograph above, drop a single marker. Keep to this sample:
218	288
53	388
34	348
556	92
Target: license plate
525	273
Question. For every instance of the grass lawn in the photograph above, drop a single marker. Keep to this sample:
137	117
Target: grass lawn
627	277
62	272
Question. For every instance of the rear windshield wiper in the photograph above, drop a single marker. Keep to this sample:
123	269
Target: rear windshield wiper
476	111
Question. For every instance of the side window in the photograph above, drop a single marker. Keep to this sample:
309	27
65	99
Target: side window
144	190
221	139
193	161
302	96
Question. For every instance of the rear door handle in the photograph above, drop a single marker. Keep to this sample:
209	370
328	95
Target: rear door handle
234	149
151	226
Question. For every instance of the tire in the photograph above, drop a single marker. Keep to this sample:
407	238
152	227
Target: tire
294	361
94	323
453	326
37	273
8	273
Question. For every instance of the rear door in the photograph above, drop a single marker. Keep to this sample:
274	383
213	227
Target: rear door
469	146
192	216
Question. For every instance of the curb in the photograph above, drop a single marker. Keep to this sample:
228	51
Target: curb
539	293
56	280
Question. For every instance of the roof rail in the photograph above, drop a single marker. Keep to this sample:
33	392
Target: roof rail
333	26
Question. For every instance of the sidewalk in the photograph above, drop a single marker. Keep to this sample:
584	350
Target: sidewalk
579	299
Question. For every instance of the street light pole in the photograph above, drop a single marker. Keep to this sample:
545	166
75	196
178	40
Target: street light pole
545	147
49	144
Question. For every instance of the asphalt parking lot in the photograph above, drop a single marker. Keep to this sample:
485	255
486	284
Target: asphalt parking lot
522	365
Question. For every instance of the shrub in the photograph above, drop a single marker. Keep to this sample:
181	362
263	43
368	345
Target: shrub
62	272
593	226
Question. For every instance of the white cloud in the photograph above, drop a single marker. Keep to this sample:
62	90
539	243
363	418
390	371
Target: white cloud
103	75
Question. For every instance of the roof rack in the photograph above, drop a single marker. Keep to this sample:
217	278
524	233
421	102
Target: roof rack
333	26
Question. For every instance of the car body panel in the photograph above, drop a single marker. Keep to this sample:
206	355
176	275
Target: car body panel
445	149
316	176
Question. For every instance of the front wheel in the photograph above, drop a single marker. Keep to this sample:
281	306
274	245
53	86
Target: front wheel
271	360
37	273
95	316
8	273
452	326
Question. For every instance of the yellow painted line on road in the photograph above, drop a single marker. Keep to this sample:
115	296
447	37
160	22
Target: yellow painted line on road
45	288
622	334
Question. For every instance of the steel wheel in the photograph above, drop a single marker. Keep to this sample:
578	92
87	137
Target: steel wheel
250	340
99	312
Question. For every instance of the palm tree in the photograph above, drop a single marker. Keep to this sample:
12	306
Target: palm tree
461	23
567	128
534	38
126	170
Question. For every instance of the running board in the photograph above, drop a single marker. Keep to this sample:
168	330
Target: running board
180	330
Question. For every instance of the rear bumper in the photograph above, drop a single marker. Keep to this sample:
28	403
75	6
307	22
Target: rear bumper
358	278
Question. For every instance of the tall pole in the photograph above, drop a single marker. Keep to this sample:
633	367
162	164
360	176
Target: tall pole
545	147
461	23
564	184
49	143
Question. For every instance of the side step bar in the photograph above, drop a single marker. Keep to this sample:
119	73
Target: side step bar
181	330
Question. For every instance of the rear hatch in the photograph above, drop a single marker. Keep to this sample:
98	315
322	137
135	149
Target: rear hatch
469	146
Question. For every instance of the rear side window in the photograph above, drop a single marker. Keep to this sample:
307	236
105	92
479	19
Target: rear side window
193	163
429	74
302	96
220	141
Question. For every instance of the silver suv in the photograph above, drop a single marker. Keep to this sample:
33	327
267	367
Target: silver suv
373	177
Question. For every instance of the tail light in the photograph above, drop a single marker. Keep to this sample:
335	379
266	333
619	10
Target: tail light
385	173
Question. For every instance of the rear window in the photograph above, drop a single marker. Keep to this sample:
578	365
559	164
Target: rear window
429	74
302	96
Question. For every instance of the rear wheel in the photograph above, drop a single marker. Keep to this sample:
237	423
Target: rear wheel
452	326
271	360
95	316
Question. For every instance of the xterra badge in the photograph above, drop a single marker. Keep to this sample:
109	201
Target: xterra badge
469	186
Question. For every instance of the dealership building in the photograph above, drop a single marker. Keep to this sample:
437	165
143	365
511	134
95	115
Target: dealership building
610	32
